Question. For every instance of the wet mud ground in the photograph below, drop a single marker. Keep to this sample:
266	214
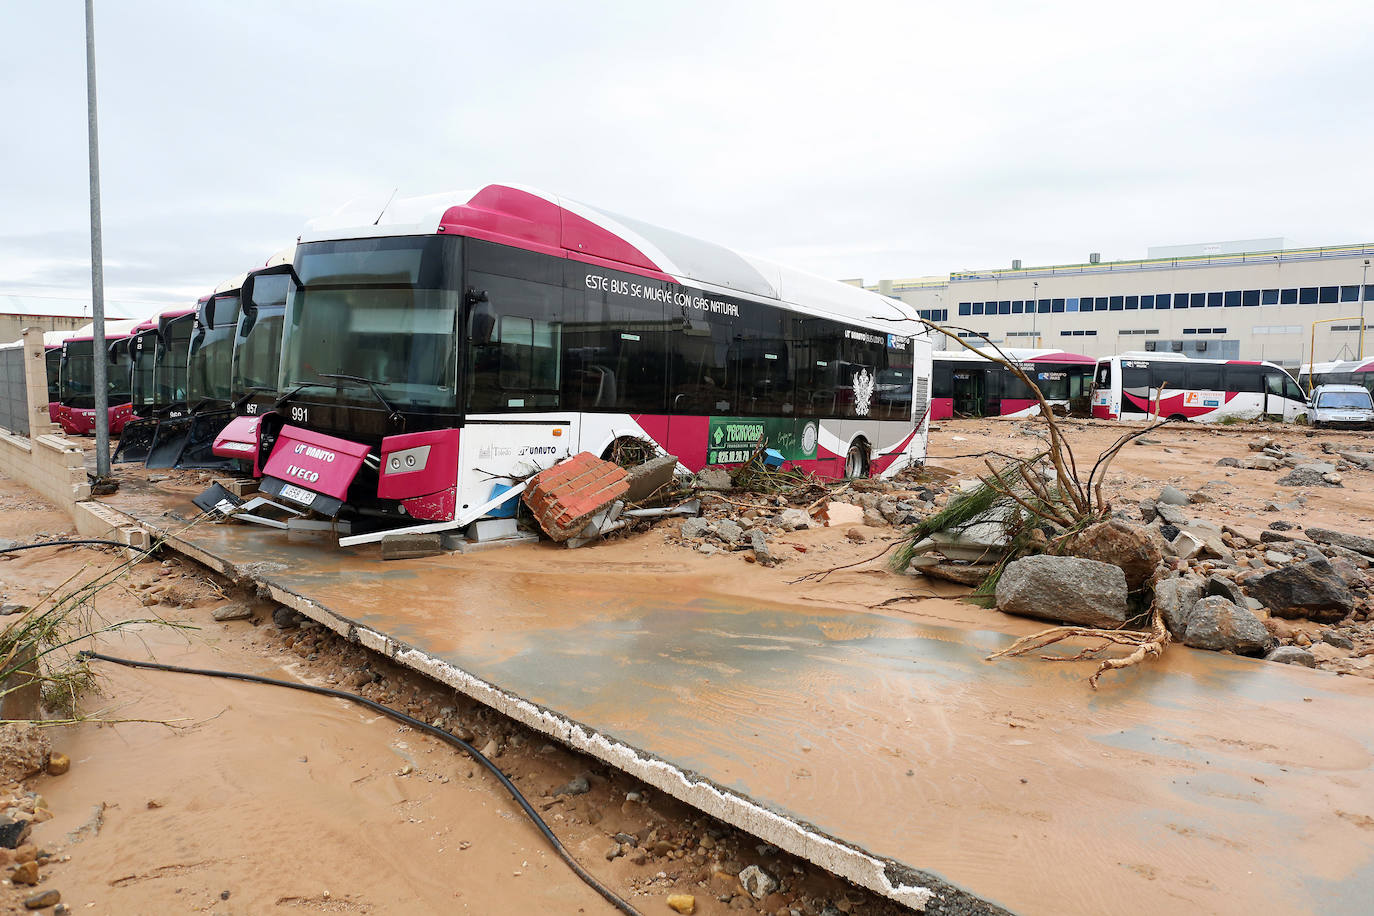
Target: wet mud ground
1198	782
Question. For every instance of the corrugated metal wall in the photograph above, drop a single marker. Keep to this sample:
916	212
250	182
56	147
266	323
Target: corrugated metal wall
14	403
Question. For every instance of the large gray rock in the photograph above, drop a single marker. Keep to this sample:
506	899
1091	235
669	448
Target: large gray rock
1292	655
1121	544
1224	588
1171	496
759	541
1173	515
1316	474
1215	623
1310	589
726	530
1175	599
1341	539
1072	589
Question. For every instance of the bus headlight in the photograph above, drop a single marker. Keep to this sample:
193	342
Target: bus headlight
407	460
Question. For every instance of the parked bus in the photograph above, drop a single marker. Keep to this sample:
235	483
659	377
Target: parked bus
437	355
76	410
965	384
52	363
257	341
1142	385
148	346
1341	372
169	387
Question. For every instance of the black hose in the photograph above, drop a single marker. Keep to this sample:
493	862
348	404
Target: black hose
439	733
77	541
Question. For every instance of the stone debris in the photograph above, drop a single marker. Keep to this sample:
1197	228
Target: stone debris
1216	623
682	903
235	610
1355	542
24	751
1292	655
1310	589
757	882
1129	547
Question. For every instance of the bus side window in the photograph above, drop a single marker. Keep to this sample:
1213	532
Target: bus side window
514	359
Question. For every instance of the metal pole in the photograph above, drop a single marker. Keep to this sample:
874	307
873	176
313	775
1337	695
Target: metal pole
1364	283
1035	311
99	358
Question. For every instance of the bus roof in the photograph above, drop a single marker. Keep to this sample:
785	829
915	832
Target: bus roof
1158	357
1021	355
114	329
1340	365
538	221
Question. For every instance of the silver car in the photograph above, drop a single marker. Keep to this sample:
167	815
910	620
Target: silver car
1341	405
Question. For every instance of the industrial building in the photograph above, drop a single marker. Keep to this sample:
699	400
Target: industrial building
1250	299
51	313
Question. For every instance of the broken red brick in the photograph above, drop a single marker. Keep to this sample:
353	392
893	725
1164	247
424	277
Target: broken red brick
564	497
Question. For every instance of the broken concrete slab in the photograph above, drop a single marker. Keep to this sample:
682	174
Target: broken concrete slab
646	479
411	546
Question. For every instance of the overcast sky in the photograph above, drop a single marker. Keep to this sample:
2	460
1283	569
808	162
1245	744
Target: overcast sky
873	140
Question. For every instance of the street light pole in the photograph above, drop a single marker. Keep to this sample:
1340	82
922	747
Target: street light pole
99	358
1035	311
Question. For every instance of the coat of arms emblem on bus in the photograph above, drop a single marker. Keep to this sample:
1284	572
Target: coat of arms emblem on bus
863	392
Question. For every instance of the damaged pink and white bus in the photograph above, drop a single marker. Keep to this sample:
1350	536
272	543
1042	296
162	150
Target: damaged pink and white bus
436	356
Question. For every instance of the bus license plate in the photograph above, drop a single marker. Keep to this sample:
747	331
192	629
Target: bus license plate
297	495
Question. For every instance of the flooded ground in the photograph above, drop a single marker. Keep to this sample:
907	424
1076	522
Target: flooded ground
1197	782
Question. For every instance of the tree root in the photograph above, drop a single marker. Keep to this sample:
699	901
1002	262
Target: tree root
1146	643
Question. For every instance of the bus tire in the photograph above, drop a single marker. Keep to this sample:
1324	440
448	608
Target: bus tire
1178	417
856	460
629	451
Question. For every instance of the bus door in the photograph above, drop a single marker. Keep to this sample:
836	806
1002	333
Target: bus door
1283	400
970	388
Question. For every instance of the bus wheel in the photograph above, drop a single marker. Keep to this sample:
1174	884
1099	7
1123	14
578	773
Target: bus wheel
856	462
1179	417
628	452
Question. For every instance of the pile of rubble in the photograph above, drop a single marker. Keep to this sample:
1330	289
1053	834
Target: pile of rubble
1302	470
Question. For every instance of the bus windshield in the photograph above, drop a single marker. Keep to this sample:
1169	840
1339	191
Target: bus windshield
382	309
208	372
53	360
257	353
78	376
143	349
169	372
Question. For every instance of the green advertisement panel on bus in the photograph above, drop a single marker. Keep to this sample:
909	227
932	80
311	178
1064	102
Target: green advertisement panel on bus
731	440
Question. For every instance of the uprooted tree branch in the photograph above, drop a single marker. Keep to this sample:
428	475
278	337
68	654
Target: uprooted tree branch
1042	504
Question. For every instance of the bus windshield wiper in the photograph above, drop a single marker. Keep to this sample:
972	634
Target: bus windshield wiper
281	401
372	386
247	395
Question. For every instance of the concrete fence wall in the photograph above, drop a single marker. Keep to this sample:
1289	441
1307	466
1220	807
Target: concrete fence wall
37	457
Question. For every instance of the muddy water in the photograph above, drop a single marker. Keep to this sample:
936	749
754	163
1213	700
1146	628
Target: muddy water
1196	783
261	774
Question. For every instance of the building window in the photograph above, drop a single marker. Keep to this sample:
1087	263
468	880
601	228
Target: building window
1100	304
1073	305
1059	305
1004	307
1198	300
1190	330
1350	293
1089	333
1180	300
1288	297
977	308
1017	305
1132	303
1117	303
1233	298
1269	296
1147	302
1328	294
1250	297
1307	295
1214	300
965	308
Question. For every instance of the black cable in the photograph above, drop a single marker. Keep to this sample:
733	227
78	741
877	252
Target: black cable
477	755
77	541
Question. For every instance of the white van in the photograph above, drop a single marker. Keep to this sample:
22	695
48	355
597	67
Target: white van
1341	405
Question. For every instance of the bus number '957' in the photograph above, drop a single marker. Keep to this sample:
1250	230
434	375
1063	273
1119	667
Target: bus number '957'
299	415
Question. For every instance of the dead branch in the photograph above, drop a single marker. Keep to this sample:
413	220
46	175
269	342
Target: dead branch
821	574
